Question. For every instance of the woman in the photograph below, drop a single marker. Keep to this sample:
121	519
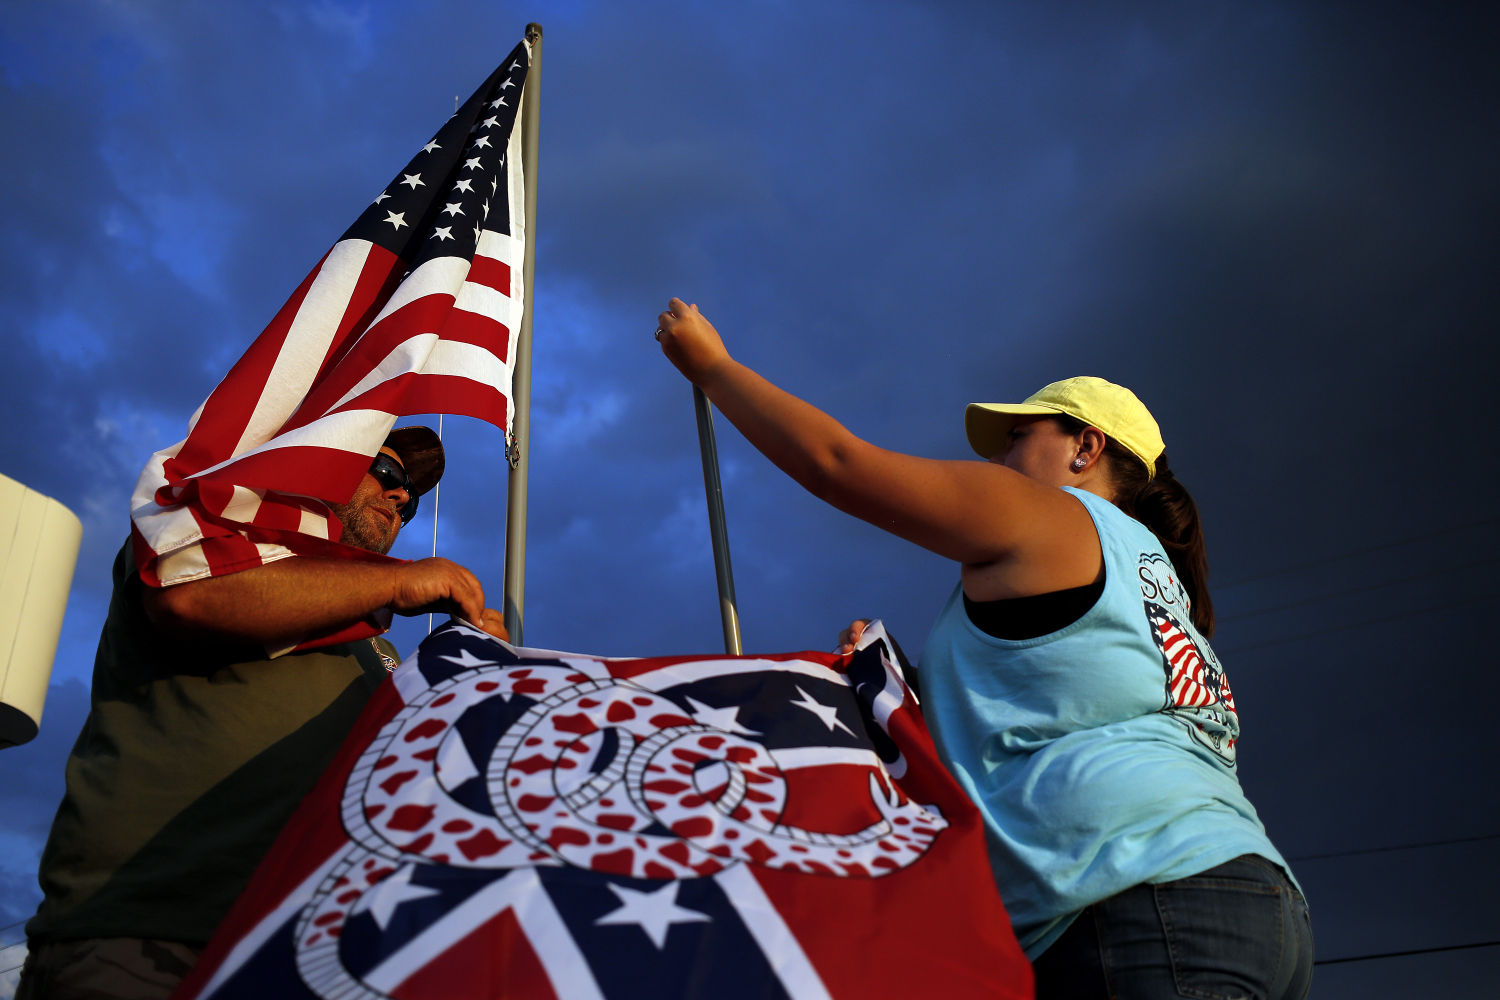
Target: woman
1067	682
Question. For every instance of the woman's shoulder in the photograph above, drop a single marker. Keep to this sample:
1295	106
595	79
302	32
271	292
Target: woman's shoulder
1122	539
1060	549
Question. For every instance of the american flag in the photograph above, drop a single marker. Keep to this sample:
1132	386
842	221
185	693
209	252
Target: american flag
415	309
1197	688
511	822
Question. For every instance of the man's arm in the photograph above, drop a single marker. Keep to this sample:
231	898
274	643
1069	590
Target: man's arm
293	599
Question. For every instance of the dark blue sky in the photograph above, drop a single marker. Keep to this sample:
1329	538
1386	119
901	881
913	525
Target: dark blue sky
1275	221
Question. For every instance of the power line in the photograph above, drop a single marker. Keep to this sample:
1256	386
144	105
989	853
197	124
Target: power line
1402	954
1338	556
1396	847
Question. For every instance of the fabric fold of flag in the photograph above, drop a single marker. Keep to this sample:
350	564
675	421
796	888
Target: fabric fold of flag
416	309
513	822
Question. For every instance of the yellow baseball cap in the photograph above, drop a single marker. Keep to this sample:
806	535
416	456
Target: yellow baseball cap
1113	409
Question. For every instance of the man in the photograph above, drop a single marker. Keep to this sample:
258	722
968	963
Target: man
199	746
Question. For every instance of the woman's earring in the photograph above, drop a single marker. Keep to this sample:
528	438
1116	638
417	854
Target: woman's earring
1079	463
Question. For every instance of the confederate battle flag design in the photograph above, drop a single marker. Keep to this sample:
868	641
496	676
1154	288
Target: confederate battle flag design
511	822
416	309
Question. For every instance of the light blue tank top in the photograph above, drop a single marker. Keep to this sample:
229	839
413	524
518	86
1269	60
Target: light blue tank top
1102	756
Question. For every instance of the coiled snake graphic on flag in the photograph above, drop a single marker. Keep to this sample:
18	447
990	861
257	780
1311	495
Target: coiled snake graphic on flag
599	774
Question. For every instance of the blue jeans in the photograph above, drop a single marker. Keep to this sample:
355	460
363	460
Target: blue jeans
1235	932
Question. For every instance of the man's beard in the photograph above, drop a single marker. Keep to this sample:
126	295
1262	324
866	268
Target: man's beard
363	528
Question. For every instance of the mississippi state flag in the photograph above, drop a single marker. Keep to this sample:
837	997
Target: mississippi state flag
511	822
415	310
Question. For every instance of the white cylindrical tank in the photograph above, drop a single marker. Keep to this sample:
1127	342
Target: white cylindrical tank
39	540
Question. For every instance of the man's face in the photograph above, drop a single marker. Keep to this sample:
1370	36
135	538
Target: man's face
369	517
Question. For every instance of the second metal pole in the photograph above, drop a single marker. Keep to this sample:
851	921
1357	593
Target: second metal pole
716	529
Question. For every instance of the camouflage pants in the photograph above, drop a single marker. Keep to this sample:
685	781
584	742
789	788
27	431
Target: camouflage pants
105	969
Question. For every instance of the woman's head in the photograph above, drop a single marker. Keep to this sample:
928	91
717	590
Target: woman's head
1112	409
1095	435
1055	450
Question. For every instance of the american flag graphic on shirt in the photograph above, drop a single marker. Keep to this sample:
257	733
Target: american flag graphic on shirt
524	823
1197	689
416	309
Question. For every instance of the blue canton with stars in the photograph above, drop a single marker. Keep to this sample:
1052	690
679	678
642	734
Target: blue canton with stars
454	188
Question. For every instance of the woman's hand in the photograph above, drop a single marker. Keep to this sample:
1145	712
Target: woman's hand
689	341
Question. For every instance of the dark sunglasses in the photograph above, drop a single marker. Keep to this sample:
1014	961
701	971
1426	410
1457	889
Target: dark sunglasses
389	474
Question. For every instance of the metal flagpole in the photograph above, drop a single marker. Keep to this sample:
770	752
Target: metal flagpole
710	452
519	451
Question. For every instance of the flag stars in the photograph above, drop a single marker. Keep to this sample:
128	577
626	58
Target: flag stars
726	718
383	196
827	714
430	147
489	122
381	901
441	233
412	181
472	163
397	219
483	142
460	625
453	208
465	660
509	82
500	102
653	912
464	185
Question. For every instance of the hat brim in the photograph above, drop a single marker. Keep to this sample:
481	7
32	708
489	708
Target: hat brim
421	452
988	424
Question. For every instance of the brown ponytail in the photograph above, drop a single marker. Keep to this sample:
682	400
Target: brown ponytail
1164	505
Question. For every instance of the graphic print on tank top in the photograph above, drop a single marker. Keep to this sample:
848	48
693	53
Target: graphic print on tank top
1197	689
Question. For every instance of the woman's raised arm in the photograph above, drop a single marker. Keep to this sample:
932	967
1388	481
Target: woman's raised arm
972	512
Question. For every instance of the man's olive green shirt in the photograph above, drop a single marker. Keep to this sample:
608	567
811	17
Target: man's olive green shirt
193	757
